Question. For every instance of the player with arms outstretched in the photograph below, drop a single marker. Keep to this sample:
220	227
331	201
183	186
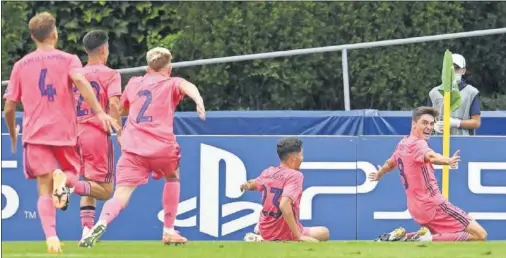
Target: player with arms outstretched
96	144
148	142
281	188
440	220
42	80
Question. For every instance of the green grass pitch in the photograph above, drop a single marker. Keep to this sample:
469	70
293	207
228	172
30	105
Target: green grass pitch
333	249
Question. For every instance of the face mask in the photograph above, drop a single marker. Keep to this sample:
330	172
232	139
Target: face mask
458	77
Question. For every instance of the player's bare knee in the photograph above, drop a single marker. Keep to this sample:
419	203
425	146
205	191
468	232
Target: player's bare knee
101	191
123	194
323	234
481	234
477	231
108	190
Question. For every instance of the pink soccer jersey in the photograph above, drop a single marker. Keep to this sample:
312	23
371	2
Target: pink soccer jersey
41	81
275	182
152	100
106	83
417	176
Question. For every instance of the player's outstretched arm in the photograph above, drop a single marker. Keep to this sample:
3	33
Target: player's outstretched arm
251	185
191	90
438	159
386	168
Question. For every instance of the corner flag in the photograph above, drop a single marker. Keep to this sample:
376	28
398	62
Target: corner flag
452	101
449	82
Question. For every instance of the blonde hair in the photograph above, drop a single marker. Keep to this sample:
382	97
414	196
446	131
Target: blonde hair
158	58
42	25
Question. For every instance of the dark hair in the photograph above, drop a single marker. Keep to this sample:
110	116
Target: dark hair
287	146
41	26
94	39
420	111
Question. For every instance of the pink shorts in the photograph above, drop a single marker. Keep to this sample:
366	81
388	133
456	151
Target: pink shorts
448	219
39	160
134	170
97	154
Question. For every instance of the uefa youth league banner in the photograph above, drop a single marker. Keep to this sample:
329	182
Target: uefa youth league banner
336	192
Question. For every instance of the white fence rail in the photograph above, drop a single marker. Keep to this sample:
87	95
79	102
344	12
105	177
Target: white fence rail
305	51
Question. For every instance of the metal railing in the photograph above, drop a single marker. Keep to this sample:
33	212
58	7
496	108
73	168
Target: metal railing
305	51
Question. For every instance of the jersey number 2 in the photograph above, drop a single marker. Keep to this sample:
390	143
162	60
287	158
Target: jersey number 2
83	112
141	117
400	165
275	201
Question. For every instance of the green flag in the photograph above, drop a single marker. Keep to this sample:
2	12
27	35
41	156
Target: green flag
450	82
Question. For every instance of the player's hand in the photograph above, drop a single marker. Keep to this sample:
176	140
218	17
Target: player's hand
244	187
201	110
308	239
375	176
14	139
454	160
439	126
108	122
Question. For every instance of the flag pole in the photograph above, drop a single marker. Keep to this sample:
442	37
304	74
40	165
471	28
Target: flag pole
446	128
446	144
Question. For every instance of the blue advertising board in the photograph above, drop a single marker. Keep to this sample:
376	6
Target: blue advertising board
297	122
336	192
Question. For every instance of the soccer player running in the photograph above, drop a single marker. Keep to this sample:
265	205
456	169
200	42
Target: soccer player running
148	142
96	144
42	80
281	188
440	220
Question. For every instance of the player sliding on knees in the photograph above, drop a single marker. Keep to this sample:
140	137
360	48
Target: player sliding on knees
42	81
148	143
281	188
95	144
440	220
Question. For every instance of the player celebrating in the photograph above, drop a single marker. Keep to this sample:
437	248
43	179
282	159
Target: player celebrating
96	144
440	220
148	142
281	188
49	121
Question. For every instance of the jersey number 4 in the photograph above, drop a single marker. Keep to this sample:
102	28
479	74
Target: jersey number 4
275	194
46	90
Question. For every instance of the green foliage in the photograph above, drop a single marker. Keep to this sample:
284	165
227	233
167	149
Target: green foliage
14	32
395	77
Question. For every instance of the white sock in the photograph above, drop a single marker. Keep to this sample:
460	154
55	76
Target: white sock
169	230
53	237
